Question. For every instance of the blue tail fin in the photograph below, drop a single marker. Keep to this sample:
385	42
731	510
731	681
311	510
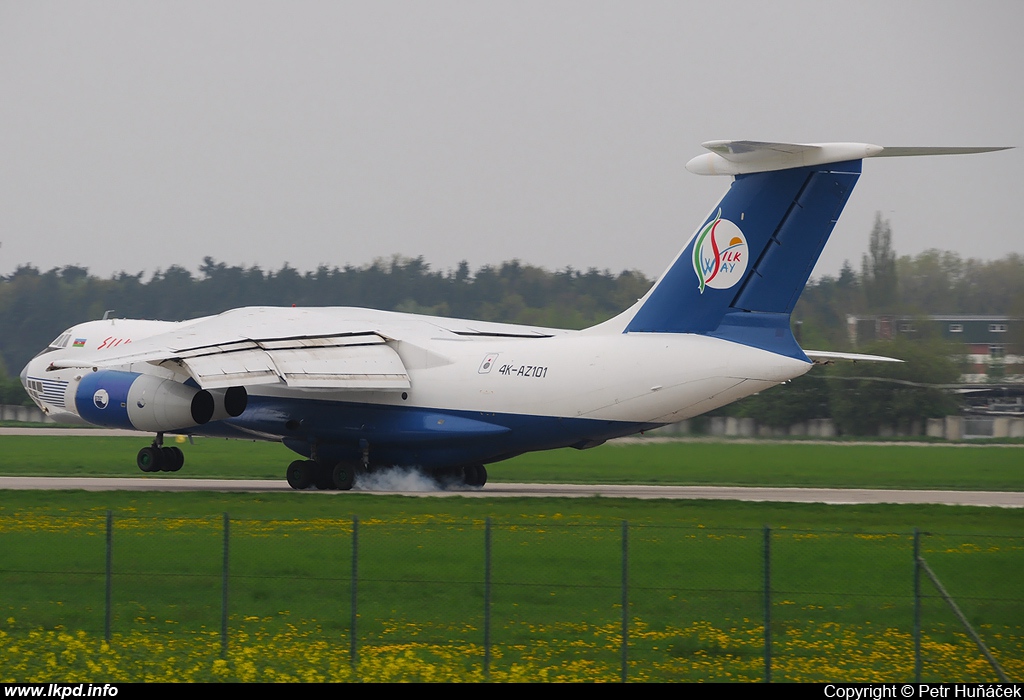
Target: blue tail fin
741	273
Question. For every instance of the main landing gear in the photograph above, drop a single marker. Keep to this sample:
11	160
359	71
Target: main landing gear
475	475
303	473
471	476
157	458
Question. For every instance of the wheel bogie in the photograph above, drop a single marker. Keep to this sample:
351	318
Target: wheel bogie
471	476
342	476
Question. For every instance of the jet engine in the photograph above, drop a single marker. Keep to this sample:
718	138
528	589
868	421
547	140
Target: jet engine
229	403
119	399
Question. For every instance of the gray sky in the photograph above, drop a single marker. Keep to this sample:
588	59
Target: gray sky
134	136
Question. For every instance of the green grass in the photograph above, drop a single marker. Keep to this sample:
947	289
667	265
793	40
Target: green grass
750	464
842	592
695	574
777	464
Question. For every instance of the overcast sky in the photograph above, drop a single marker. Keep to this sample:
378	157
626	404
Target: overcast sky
137	135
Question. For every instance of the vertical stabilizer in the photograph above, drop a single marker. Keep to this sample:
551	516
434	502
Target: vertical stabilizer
740	274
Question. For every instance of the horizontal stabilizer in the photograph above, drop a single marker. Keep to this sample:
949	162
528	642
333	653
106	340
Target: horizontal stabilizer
823	357
742	157
898	151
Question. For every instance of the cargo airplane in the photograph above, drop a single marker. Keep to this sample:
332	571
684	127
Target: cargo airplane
356	390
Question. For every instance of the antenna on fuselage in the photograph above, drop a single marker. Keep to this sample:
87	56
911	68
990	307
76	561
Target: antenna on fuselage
106	314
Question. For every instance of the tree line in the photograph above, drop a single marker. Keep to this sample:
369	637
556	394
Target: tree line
932	282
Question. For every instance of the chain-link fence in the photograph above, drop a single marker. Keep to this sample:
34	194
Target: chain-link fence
142	598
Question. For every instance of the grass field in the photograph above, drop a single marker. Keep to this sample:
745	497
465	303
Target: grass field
842	588
727	463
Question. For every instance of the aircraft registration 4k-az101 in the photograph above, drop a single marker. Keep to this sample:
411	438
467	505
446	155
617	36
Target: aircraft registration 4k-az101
356	390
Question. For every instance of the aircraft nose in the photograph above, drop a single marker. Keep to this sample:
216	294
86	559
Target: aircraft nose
24	376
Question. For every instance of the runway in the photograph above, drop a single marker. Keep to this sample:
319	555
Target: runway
999	499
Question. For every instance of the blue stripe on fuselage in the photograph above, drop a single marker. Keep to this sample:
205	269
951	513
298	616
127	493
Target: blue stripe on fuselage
405	435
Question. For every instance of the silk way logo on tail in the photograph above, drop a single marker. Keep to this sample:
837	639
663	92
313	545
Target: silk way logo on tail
719	254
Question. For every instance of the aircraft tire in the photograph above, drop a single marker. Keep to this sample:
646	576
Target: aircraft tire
476	475
449	477
344	476
299	475
172	459
150	459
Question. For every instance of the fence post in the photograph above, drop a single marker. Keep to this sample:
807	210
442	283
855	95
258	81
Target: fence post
625	596
963	620
917	605
487	599
108	583
353	653
224	593
767	604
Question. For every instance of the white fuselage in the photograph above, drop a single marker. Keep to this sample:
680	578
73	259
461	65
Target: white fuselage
473	366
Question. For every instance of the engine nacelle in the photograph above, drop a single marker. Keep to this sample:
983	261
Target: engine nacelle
118	399
229	403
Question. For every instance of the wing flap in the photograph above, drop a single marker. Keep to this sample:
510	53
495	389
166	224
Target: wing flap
357	362
217	370
375	366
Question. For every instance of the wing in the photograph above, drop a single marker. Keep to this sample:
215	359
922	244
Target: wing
309	348
299	348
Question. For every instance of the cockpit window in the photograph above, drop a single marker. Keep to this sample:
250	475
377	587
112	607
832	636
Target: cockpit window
61	341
